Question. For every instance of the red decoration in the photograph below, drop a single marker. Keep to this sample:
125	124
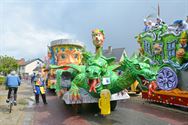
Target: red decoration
167	99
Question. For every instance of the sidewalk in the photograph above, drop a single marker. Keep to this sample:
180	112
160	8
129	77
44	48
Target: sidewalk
22	114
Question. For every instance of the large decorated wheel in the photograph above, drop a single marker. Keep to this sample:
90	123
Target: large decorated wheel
167	79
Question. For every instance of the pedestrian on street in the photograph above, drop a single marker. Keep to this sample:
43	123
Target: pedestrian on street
39	88
12	82
32	78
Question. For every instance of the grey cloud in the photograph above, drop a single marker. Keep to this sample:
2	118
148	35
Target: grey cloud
120	20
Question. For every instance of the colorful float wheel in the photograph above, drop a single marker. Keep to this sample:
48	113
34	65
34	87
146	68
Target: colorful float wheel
167	79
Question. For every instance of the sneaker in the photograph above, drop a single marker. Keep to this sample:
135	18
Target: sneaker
7	100
45	103
15	103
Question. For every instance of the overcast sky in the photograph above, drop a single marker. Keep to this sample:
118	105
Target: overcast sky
28	26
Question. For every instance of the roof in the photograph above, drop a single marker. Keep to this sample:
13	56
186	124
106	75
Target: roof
117	53
21	61
30	61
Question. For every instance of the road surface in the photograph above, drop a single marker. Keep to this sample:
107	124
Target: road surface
129	112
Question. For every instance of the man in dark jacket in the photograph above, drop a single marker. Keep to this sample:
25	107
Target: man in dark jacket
33	77
12	82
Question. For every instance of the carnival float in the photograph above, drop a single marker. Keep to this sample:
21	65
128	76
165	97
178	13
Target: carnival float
165	48
159	70
62	52
95	79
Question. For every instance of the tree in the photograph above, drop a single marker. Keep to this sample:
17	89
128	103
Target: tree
7	64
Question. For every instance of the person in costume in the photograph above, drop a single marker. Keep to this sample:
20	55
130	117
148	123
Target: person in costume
146	28
151	25
180	25
40	88
159	22
104	102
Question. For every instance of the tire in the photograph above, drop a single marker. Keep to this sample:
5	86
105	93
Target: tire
95	106
77	108
113	105
10	109
67	105
138	89
11	101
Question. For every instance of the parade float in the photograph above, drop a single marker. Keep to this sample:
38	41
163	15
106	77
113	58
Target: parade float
62	52
96	79
166	50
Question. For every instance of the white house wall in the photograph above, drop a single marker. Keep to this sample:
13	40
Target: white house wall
21	69
29	67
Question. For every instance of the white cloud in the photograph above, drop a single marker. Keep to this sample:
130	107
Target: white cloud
20	37
30	43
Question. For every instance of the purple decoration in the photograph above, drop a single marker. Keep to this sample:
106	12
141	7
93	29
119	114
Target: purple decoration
167	79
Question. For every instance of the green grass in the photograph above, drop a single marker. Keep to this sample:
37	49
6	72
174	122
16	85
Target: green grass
2	80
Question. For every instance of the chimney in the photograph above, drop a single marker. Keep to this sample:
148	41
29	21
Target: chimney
109	49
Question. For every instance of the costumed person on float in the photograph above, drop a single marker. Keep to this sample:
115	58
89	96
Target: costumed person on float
179	25
159	22
146	28
104	102
39	88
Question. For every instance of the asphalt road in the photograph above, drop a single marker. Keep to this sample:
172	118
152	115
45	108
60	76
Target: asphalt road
129	112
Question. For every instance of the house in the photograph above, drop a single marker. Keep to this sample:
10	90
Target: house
26	68
116	52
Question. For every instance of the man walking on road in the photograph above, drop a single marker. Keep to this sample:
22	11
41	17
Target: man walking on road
12	82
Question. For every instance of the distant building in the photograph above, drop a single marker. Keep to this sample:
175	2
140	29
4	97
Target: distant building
116	52
26	68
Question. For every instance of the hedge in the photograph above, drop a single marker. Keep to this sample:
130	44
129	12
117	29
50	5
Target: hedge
2	80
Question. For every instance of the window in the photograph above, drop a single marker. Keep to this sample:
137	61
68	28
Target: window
56	50
70	48
63	49
171	46
22	68
147	47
